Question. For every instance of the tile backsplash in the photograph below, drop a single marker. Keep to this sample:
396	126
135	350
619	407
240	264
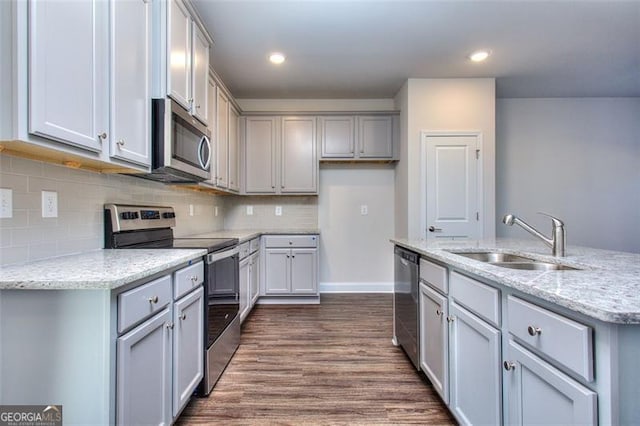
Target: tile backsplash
298	212
81	195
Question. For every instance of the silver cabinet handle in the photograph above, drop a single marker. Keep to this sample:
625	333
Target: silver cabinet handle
153	299
204	164
170	325
102	135
509	365
194	278
439	313
451	318
197	106
433	229
120	143
534	331
183	316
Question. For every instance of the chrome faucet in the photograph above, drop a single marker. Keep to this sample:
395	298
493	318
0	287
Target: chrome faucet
558	236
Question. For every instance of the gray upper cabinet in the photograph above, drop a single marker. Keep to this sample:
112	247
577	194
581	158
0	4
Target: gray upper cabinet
234	148
179	53
260	146
199	73
337	136
299	167
280	155
222	139
358	138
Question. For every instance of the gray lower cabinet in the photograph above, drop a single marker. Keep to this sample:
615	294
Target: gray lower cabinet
434	339
474	357
144	373
188	347
249	276
254	278
291	265
244	282
541	394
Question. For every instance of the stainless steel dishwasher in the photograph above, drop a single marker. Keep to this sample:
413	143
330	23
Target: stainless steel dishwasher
406	303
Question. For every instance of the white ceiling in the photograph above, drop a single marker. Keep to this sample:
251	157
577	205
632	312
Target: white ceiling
367	49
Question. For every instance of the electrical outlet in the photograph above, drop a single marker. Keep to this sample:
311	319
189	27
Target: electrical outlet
364	210
6	203
249	210
278	210
192	210
49	204
215	211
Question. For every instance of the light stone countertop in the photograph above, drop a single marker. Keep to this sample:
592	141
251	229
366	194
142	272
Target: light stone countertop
606	288
94	270
248	234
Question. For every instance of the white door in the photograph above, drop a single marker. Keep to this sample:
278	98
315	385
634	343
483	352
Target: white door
452	186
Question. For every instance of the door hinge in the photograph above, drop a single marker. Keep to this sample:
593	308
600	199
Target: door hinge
477	154
477	215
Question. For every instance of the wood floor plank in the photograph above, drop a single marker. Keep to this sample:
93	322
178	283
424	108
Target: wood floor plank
331	363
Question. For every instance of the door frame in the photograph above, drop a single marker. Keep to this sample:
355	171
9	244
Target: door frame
424	135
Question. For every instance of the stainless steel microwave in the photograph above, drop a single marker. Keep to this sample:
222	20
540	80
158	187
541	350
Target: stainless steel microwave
181	145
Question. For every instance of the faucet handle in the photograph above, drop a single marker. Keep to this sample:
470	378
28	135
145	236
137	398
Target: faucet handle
555	220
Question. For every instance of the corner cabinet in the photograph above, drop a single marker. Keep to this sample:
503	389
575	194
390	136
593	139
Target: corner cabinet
358	138
280	155
290	265
100	101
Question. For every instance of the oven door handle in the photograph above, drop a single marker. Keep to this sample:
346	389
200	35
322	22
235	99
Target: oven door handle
214	257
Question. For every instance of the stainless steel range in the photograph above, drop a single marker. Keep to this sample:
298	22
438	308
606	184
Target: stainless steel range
131	227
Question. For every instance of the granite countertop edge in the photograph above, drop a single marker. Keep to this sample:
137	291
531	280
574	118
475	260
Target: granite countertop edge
244	235
597	291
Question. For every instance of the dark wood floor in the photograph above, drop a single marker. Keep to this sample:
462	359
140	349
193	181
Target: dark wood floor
320	364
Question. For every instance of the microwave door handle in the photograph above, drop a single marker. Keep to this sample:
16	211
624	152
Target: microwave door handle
204	164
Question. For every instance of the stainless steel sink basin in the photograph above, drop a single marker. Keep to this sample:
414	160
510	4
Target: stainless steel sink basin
534	266
489	256
513	261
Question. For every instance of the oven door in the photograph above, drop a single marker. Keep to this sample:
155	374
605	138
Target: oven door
223	299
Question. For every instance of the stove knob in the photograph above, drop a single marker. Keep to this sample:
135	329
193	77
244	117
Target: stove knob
126	215
136	215
168	215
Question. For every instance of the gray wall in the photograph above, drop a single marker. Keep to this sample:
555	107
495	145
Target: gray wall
576	158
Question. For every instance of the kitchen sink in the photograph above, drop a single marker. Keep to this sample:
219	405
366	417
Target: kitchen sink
489	256
513	261
534	266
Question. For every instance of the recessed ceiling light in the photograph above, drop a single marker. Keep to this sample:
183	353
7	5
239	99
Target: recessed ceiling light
277	58
479	55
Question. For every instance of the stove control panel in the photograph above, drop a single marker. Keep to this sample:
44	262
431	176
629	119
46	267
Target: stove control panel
134	218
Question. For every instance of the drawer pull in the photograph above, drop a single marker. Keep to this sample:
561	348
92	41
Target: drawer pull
451	318
509	365
183	316
438	313
153	299
170	326
194	278
534	331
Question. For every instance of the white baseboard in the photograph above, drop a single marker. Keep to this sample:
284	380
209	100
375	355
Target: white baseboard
356	287
288	300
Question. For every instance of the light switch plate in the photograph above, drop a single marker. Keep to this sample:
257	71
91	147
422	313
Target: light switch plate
6	203
192	210
49	204
278	210
249	210
364	210
215	211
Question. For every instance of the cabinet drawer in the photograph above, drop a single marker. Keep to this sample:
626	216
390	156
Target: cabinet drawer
187	279
560	338
254	245
434	275
244	249
479	298
143	301
285	241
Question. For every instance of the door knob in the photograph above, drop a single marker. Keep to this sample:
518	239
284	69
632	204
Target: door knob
433	229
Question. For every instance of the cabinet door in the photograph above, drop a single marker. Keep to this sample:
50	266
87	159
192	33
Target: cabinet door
375	136
434	340
337	137
130	106
188	347
474	359
299	155
234	146
245	277
68	66
144	373
543	395
260	155
278	271
254	279
200	74
222	120
304	274
179	54
211	95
